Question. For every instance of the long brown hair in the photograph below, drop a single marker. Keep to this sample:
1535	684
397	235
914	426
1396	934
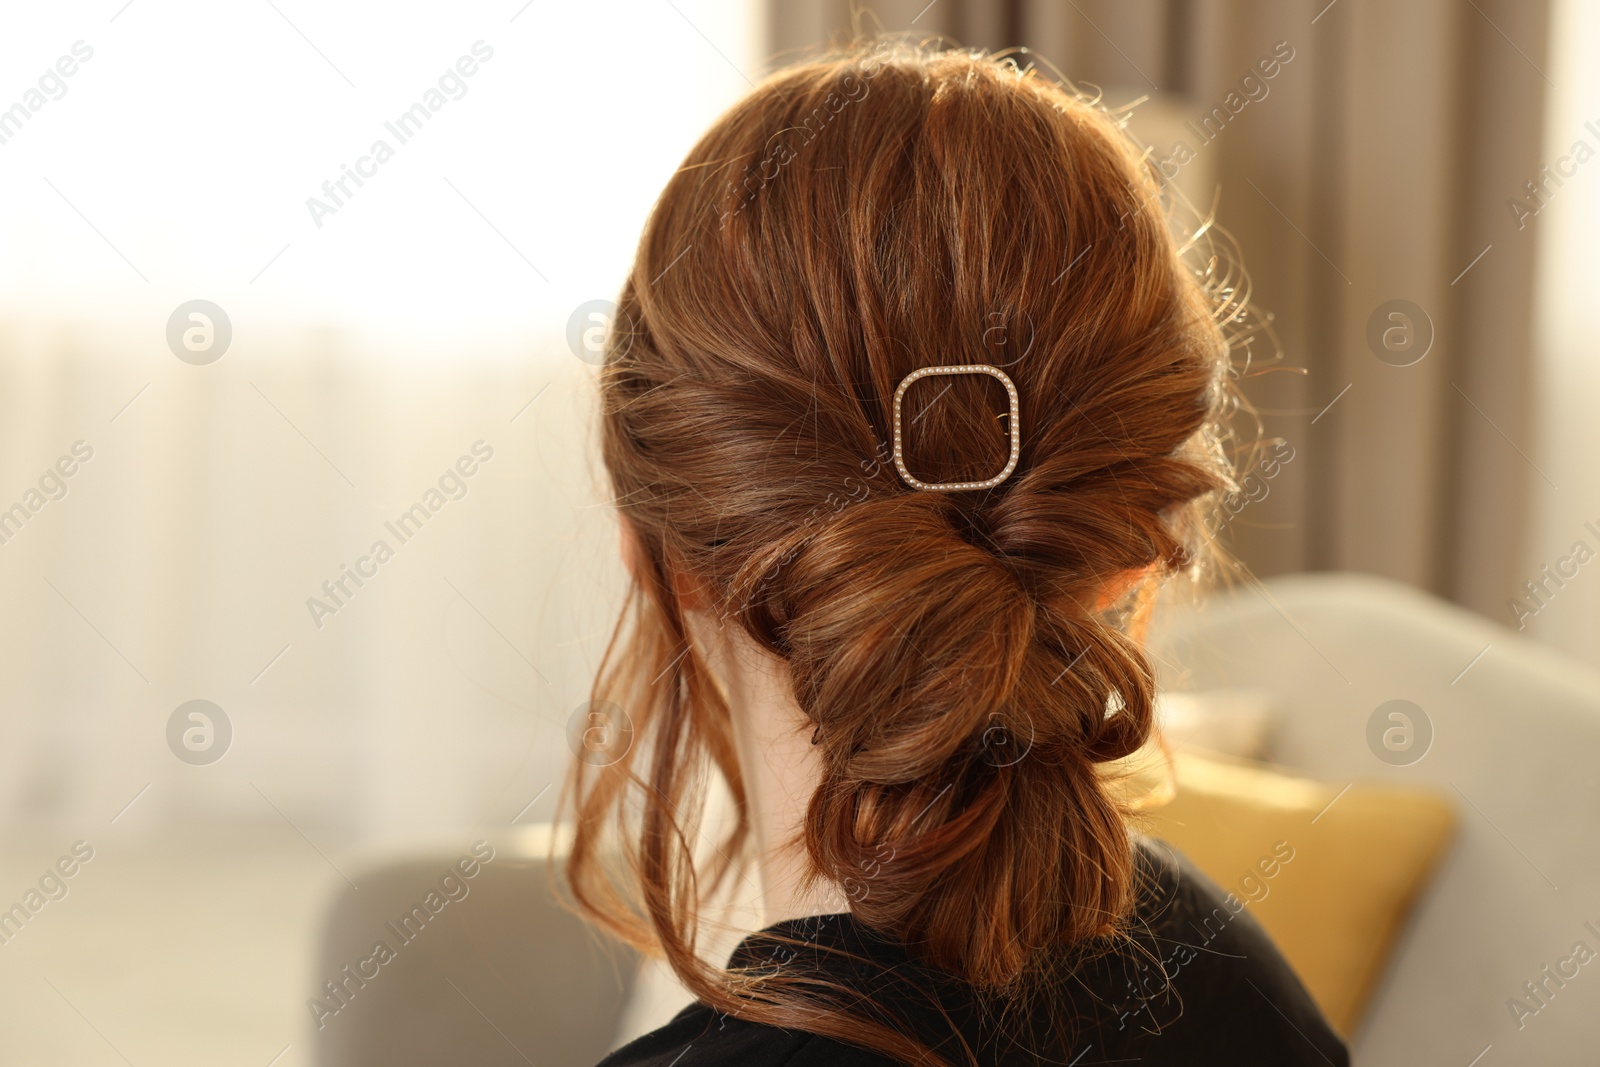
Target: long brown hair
856	217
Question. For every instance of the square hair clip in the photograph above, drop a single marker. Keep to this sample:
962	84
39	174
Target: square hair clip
1011	420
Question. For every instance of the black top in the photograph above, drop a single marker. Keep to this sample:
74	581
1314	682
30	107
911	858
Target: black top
1228	996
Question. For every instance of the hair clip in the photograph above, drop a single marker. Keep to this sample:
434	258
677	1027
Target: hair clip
1011	419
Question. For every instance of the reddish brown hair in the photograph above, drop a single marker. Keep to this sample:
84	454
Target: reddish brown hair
852	219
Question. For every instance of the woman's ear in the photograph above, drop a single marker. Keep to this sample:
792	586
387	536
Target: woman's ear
1143	580
628	542
685	587
1121	585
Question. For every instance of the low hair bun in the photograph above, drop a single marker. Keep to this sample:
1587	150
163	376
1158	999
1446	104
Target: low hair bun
962	725
886	608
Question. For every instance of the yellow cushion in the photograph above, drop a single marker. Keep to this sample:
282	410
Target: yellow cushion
1330	876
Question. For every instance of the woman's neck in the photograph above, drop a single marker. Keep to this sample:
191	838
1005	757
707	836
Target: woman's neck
780	766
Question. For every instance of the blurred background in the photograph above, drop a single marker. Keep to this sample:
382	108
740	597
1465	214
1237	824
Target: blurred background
240	344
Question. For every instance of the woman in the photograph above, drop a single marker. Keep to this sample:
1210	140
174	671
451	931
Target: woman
911	404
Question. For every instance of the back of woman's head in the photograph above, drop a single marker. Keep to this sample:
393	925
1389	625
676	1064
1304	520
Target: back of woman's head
852	220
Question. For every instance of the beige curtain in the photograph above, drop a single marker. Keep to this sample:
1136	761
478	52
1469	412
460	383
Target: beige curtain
1375	165
182	558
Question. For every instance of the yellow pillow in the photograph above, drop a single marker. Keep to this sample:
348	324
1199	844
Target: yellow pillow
1330	875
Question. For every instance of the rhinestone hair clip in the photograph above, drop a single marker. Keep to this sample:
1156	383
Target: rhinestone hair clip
1011	420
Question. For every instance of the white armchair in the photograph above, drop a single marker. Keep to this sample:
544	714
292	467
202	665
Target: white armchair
1516	744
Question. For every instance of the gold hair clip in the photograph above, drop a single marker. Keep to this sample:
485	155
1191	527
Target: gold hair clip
1011	419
